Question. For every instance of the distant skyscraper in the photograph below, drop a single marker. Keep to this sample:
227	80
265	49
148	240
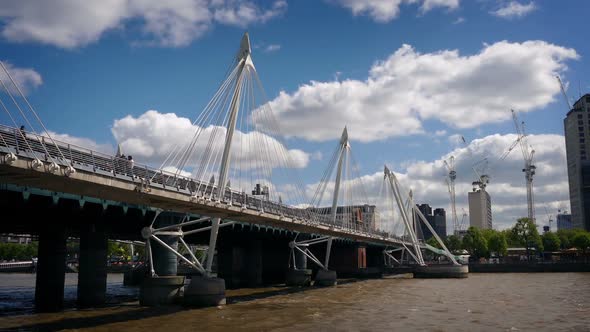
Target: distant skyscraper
577	130
437	221
480	209
564	221
440	222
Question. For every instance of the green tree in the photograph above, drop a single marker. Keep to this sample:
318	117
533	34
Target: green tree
17	251
475	242
119	250
433	242
582	241
510	238
525	232
453	243
551	241
497	243
566	236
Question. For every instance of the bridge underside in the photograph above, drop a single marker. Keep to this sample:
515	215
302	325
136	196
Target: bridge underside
247	255
130	193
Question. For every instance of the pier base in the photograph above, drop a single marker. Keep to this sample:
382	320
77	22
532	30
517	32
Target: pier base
51	269
134	277
204	292
325	278
441	271
298	277
155	291
92	275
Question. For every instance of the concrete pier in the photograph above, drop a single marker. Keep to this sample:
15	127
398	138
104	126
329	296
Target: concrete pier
441	271
298	277
325	278
92	274
51	269
163	288
165	262
204	292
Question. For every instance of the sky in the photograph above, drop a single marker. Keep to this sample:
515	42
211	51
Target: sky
409	79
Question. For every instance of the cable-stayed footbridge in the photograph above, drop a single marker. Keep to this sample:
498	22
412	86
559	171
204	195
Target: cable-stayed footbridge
233	170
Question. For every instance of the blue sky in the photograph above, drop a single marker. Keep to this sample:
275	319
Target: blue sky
103	62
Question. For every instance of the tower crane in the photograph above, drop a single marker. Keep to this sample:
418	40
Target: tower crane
567	101
452	176
482	178
549	217
529	167
463	218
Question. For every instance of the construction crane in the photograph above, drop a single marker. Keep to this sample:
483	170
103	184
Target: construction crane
462	226
549	217
567	101
482	178
529	167
452	176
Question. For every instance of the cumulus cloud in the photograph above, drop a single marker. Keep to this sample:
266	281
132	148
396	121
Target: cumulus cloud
26	78
243	13
151	137
461	91
507	185
82	142
459	20
272	48
70	23
387	10
514	9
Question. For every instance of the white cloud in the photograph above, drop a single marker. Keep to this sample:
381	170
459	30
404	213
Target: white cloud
459	20
26	78
272	48
439	133
514	9
243	13
72	23
82	142
455	139
462	91
506	187
387	10
151	137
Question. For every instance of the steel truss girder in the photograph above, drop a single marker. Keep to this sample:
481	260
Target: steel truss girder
150	233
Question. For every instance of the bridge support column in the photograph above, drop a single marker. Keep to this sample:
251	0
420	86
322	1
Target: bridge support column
300	275
164	287
254	264
51	269
92	275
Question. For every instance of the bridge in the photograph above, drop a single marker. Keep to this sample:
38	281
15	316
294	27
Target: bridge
236	139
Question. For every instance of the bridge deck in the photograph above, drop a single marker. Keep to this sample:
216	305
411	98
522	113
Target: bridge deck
106	177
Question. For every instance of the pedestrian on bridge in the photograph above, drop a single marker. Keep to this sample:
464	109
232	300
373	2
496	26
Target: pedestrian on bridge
21	136
130	163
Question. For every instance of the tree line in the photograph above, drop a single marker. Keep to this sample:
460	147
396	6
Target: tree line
524	234
24	252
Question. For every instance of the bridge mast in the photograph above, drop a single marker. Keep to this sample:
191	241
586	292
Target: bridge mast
404	214
243	60
343	148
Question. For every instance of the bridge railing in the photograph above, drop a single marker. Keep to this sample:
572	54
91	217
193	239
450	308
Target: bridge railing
40	147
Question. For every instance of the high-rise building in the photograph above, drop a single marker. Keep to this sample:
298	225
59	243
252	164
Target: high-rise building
480	209
440	222
564	221
577	145
437	221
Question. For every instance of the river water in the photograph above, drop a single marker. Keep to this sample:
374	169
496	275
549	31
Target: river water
482	302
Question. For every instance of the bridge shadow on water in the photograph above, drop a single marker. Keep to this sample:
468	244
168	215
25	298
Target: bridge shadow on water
132	311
